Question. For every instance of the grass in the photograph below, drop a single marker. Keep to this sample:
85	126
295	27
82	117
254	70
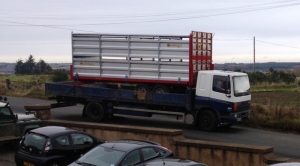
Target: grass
27	78
276	110
24	85
264	87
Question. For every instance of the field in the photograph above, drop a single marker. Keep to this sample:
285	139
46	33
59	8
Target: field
24	85
273	106
277	110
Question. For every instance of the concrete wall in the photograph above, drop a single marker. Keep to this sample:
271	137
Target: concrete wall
210	153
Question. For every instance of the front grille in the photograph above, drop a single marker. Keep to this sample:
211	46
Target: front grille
243	106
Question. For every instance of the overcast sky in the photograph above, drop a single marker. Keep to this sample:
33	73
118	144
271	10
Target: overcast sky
43	28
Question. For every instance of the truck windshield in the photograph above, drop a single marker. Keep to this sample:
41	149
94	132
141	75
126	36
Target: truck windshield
241	85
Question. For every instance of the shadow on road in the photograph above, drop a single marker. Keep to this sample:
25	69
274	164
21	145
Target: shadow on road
7	154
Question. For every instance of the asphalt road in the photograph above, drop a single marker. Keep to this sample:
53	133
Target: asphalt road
285	144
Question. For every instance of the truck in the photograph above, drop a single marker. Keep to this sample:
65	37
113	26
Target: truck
14	126
168	77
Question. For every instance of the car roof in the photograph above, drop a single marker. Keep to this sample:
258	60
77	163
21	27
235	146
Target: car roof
125	145
173	162
52	130
2	104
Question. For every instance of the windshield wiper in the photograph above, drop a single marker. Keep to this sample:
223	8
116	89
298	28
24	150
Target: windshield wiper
83	163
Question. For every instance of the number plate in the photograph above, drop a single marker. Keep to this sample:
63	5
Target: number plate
27	164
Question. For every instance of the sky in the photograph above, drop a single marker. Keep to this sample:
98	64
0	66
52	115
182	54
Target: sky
43	28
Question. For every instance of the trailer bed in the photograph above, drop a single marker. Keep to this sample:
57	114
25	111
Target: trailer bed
96	92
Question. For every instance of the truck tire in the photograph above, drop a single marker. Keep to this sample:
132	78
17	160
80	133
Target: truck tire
142	87
95	112
161	89
207	120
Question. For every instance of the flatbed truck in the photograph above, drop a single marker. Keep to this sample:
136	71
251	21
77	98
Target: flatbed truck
166	76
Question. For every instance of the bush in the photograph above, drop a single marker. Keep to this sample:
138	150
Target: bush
60	75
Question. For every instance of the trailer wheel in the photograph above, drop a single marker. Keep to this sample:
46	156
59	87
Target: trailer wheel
95	112
142	87
161	89
207	120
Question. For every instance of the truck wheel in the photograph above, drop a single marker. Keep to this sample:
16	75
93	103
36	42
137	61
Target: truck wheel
95	112
161	89
142	88
207	121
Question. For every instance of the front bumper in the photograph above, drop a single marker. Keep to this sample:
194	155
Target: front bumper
239	116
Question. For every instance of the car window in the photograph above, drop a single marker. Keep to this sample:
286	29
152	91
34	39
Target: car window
160	151
81	139
63	140
5	114
131	159
149	153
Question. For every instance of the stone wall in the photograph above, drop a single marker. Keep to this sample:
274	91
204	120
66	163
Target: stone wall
208	152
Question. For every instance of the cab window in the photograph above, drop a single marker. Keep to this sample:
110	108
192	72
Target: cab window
220	84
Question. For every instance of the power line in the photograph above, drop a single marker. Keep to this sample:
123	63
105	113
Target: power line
278	44
179	18
47	26
163	14
232	39
258	41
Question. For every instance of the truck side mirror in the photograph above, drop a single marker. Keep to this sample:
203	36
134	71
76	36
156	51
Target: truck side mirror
227	92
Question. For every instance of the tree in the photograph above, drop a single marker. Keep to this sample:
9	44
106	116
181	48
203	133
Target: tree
60	75
42	67
30	65
19	68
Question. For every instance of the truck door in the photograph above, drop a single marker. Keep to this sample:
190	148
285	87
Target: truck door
220	94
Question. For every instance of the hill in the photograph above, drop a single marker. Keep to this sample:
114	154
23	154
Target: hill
8	68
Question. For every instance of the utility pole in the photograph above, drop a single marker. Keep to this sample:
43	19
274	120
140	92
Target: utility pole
254	54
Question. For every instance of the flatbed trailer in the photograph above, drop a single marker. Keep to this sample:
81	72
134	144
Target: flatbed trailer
71	93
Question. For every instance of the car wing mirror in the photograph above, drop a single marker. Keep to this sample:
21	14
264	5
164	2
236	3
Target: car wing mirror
16	118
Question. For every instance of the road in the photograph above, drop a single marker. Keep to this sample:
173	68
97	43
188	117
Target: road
285	144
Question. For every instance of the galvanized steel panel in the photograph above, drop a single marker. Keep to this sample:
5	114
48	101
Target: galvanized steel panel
158	57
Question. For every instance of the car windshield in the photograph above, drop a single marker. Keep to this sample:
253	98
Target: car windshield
241	86
101	156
